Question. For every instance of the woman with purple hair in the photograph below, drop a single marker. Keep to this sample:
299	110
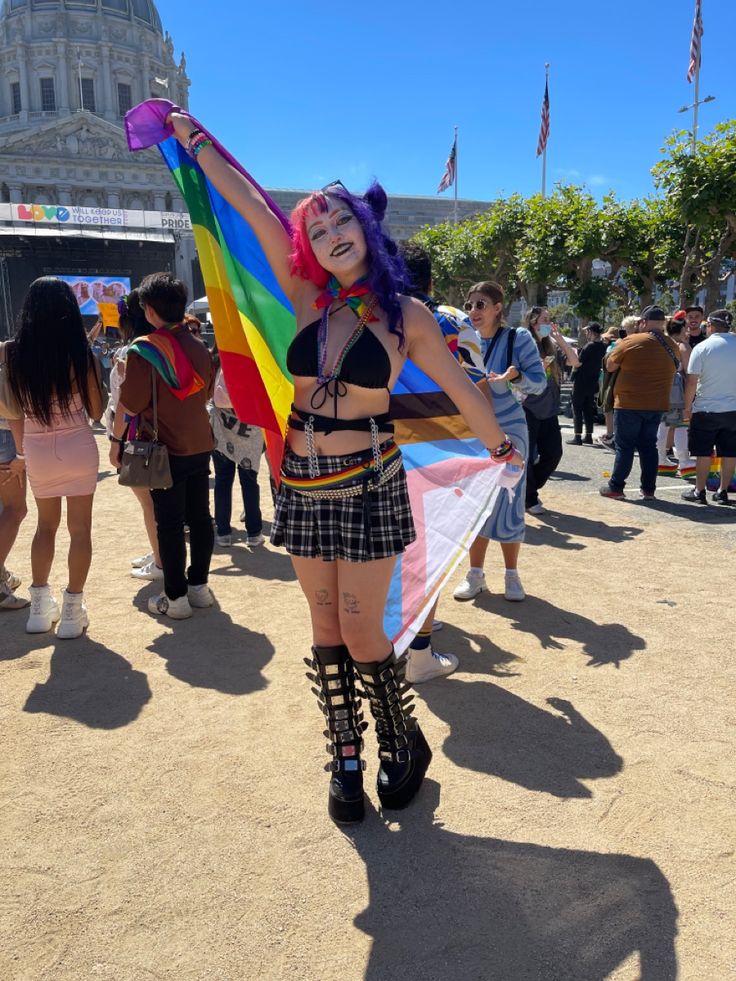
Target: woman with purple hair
342	509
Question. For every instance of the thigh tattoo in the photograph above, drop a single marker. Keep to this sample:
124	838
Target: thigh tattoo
351	604
322	597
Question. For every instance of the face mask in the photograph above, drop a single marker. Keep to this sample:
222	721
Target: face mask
544	330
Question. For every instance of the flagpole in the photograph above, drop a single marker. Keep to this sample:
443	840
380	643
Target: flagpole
696	105
544	155
454	220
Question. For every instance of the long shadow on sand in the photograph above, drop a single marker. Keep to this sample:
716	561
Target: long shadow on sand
211	651
558	530
446	905
91	684
603	643
263	563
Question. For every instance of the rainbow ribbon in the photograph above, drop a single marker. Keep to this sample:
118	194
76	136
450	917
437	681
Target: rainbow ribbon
161	349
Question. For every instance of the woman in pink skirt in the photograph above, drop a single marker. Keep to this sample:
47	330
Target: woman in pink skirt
56	381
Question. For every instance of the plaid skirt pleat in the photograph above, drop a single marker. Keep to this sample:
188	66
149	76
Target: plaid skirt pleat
342	529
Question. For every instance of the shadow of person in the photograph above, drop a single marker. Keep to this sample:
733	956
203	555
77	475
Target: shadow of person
494	731
91	684
448	906
558	529
263	563
603	643
211	651
477	653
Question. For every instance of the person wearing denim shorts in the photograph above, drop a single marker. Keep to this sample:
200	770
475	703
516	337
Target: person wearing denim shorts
13	501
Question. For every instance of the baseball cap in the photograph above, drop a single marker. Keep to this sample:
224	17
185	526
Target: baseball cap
653	313
680	316
596	328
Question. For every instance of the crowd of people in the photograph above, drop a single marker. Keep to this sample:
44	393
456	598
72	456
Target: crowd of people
341	509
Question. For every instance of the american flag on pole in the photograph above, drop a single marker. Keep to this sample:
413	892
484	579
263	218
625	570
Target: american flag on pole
544	128
448	178
696	41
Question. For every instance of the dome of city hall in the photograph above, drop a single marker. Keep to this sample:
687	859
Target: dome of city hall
141	11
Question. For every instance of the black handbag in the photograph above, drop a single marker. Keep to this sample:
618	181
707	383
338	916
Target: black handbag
145	462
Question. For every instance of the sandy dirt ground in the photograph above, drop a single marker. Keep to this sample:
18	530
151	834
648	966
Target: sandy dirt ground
163	803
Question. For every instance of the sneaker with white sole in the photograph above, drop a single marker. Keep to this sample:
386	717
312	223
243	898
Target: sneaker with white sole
9	579
513	590
74	620
223	541
428	664
253	541
178	609
142	560
10	600
200	596
437	625
473	584
151	572
537	508
44	610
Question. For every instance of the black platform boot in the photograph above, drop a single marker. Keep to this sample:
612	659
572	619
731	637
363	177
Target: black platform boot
402	748
335	679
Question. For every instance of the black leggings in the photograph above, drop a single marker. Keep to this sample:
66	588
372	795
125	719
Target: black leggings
583	410
545	439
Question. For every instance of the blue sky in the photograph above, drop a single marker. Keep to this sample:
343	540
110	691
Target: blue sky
303	92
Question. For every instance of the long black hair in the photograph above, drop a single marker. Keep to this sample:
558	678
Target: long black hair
49	358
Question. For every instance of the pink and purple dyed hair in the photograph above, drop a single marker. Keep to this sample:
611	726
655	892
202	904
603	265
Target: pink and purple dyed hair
387	275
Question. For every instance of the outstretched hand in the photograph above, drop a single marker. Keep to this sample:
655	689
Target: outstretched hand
183	126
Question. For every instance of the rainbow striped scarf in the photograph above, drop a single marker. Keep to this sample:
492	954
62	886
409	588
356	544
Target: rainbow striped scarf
162	350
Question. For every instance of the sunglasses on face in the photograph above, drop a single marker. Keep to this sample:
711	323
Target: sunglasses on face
477	305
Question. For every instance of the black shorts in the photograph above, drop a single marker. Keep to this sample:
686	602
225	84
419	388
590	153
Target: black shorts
712	429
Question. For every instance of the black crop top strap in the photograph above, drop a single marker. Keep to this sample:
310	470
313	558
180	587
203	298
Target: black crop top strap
327	424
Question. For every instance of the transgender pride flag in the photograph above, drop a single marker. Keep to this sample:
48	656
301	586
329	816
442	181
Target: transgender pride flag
452	483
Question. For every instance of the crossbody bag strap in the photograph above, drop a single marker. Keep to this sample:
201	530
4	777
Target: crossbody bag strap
510	348
155	404
489	350
665	345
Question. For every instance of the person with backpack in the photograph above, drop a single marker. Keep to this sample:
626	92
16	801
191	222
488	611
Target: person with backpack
514	369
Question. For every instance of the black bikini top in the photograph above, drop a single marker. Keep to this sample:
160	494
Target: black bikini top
367	363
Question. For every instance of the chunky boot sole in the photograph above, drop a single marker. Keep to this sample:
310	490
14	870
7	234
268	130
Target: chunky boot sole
401	794
346	810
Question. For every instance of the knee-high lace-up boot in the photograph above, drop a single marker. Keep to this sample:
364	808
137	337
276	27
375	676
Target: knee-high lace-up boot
402	748
333	674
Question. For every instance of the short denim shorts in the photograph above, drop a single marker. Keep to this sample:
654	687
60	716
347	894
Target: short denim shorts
7	446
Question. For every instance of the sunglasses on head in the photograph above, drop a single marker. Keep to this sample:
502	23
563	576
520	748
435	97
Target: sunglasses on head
335	183
475	305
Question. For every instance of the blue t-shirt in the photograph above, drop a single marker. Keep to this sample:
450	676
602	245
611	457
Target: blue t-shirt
714	361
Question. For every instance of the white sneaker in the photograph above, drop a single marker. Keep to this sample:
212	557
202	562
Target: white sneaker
74	620
224	541
44	610
437	625
428	664
142	560
473	583
150	571
10	600
200	596
9	579
253	541
178	609
537	508
513	590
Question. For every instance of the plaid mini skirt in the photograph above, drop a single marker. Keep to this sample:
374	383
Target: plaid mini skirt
374	523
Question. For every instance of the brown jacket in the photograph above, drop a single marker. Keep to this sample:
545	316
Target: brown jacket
645	379
183	424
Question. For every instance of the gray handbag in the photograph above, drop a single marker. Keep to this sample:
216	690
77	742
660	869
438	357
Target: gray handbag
145	462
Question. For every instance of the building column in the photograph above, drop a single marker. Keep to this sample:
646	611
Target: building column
159	202
16	193
146	79
113	199
65	196
62	71
109	110
25	92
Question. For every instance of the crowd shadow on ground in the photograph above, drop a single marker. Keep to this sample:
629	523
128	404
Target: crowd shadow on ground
494	731
716	514
558	530
447	905
263	563
90	684
210	650
603	643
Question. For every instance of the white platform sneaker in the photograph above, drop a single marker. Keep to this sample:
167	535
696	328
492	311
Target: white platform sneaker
74	620
44	610
427	664
473	584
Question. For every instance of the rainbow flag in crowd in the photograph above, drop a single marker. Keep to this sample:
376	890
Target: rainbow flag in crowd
452	483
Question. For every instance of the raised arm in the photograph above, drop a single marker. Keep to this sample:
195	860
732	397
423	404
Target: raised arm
249	203
428	350
571	355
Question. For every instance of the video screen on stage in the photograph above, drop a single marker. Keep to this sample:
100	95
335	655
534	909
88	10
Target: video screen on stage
91	290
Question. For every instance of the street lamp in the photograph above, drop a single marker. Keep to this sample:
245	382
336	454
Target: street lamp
695	106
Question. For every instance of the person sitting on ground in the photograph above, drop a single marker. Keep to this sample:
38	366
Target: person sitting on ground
585	380
182	387
710	406
647	362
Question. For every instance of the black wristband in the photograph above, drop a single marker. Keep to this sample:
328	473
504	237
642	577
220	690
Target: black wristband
115	439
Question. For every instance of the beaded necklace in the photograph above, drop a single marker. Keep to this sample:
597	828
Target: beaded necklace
324	376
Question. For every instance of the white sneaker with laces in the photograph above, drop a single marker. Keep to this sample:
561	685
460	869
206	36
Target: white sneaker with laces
178	609
142	560
224	541
9	579
513	590
10	600
427	664
473	583
253	541
44	610
74	620
537	508
151	572
200	596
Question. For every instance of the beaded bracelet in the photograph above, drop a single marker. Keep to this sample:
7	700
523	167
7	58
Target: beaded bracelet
503	450
194	143
193	135
197	149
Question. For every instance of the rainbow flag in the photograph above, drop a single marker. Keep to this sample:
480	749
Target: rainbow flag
452	483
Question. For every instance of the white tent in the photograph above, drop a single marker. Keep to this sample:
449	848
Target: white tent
202	305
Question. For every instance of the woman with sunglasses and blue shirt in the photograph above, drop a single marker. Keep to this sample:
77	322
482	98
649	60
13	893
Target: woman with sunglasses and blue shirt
514	369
